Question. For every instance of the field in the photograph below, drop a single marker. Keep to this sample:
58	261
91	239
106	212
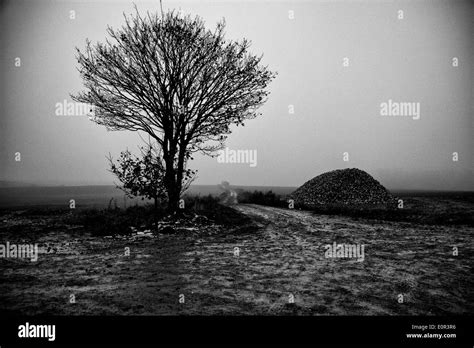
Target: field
199	271
97	196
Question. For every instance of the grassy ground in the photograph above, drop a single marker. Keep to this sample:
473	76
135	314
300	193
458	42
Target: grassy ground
280	252
435	208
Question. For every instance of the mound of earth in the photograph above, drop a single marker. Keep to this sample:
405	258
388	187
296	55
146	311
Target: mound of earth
349	188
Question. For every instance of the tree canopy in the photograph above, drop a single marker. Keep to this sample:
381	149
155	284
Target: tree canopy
169	76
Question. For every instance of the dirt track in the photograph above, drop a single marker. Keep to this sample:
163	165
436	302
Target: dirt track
284	256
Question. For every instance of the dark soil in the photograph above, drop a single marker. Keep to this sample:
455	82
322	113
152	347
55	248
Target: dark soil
280	253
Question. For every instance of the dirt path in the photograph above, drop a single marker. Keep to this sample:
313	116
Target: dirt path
400	258
285	256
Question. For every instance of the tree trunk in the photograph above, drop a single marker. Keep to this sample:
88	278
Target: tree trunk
155	214
173	176
171	185
173	199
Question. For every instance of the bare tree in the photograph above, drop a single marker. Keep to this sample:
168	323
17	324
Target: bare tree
142	176
172	78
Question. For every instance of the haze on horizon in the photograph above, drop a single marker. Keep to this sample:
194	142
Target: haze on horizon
336	108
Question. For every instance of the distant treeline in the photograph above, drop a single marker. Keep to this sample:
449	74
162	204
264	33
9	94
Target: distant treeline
263	198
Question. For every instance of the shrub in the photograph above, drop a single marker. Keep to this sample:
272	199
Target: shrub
116	220
258	197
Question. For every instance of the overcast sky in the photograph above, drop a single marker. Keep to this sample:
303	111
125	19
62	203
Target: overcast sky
336	107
